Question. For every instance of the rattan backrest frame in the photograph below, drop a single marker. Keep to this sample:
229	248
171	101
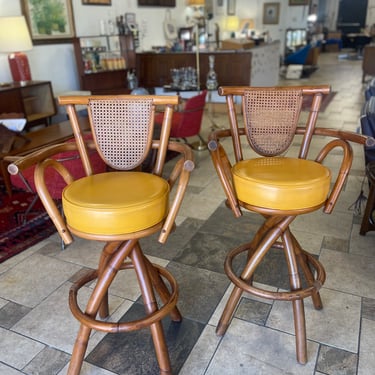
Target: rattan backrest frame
122	130
271	118
265	96
113	118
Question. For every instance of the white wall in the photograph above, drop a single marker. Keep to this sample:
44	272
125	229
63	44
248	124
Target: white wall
56	62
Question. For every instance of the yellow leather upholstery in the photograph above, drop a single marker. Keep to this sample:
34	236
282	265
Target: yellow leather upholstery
116	202
281	183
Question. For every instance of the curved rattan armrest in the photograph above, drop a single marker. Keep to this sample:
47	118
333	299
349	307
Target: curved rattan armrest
223	167
180	174
42	160
345	135
341	140
19	163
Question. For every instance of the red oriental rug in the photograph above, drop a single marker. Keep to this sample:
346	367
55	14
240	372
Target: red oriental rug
17	232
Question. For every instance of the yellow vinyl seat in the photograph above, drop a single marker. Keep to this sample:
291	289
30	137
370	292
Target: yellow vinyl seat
118	203
279	184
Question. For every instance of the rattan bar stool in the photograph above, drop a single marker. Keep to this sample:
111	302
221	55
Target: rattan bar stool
119	208
278	187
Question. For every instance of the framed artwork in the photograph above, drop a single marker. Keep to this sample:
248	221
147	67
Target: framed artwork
49	21
231	7
157	3
271	13
96	2
299	2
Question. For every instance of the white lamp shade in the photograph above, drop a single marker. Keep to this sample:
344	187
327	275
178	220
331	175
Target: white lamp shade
14	35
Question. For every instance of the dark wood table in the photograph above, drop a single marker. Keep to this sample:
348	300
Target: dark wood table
50	135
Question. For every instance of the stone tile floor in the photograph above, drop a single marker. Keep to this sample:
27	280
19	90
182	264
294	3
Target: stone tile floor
37	330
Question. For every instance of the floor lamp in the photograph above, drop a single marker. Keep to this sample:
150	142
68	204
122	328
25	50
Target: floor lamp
197	4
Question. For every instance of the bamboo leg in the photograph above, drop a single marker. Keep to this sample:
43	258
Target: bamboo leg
108	250
94	303
162	289
302	260
151	306
275	226
298	305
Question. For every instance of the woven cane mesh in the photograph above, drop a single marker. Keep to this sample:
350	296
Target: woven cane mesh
271	119
123	130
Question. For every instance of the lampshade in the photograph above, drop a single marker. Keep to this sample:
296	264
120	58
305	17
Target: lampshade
232	23
195	3
15	38
14	35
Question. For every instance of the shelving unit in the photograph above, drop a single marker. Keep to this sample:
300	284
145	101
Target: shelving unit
34	99
103	62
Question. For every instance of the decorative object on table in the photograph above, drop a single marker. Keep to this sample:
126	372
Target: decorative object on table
183	79
211	82
49	20
170	29
15	38
271	13
132	79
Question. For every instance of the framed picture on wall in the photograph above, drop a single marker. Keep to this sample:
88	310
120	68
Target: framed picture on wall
157	3
49	21
96	2
271	13
231	7
299	2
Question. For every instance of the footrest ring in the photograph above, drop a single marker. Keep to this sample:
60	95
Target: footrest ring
119	327
283	296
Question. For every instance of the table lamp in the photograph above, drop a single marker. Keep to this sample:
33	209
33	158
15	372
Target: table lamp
15	38
232	24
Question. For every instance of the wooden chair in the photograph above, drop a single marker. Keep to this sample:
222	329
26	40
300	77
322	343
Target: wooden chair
277	187
118	208
187	122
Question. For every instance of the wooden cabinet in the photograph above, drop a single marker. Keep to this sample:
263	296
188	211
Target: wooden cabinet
231	67
34	99
103	62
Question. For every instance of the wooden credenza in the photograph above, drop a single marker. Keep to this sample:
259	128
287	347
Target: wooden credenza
231	67
34	99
